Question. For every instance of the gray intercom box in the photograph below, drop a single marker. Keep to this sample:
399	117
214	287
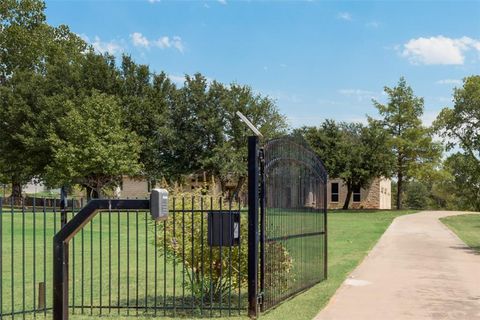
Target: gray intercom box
159	204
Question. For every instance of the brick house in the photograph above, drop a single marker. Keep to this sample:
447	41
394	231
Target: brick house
377	196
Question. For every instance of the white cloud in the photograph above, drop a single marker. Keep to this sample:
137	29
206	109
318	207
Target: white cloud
153	1
165	42
112	47
439	50
373	24
344	16
359	94
449	81
428	117
139	40
222	2
178	80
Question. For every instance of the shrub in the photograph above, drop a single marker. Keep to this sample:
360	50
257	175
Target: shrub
214	272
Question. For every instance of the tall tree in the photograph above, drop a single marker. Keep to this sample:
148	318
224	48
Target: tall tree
94	148
31	86
459	126
352	152
228	161
411	142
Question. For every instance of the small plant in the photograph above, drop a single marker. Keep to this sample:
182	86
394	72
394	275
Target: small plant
215	273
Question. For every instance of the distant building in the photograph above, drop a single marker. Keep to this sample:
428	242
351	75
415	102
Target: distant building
377	196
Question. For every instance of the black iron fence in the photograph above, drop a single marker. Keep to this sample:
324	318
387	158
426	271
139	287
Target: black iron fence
210	257
124	263
27	227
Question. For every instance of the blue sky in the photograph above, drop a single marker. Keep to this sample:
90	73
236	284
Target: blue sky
317	59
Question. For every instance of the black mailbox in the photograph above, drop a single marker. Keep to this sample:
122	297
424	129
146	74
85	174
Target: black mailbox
223	228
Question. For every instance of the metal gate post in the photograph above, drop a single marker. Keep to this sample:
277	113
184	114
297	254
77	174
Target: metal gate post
253	200
325	229
262	226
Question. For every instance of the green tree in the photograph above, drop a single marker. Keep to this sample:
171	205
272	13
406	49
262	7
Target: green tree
36	61
411	142
352	152
94	148
459	126
229	161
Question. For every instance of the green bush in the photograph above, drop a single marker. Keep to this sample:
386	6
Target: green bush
213	271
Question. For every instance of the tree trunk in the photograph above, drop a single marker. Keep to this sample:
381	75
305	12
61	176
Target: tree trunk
91	193
16	189
349	196
238	187
399	190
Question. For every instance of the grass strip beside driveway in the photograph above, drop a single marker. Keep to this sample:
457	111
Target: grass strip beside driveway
466	227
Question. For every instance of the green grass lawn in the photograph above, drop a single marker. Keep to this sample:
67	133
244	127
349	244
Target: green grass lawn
466	227
351	236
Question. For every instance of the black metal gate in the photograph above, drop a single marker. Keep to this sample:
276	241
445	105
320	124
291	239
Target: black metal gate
293	220
196	263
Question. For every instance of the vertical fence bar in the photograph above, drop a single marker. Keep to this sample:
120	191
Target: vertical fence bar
252	226
44	255
101	258
239	258
73	259
128	262
203	259
91	267
183	251
1	256
221	264
325	237
211	262
109	260
193	253
136	263
12	281
23	258
165	267
155	268
118	260
174	257
83	270
146	261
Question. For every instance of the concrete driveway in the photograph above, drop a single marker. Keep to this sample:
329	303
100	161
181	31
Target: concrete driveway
418	270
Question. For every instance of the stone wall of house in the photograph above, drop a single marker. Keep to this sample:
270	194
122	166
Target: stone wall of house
377	196
133	188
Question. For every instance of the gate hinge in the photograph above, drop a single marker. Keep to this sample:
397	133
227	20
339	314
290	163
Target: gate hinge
260	297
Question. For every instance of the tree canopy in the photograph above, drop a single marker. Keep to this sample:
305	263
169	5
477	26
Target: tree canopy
410	142
352	152
460	126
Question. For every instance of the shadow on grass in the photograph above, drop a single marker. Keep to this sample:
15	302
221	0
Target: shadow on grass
169	306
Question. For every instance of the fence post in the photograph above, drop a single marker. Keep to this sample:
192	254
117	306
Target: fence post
253	200
325	228
63	205
60	279
262	226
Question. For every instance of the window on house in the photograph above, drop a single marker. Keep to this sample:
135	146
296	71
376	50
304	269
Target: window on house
356	194
334	196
